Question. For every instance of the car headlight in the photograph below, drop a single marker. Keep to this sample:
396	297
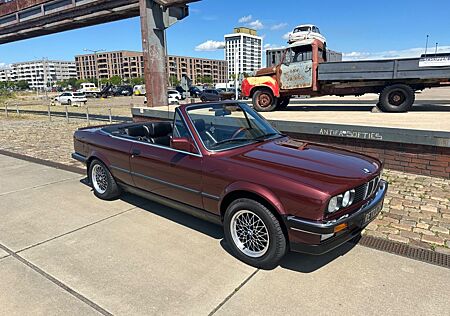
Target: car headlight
341	201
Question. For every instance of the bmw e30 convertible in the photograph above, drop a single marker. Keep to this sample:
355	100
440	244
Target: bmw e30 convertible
223	162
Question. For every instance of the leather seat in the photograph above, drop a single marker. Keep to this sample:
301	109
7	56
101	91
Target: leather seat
159	133
138	131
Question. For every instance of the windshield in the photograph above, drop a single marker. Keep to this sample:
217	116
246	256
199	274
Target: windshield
302	29
230	125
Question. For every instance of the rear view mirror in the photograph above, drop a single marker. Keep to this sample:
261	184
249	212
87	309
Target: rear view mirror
183	144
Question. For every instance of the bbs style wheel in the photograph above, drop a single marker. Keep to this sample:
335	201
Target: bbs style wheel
102	181
254	234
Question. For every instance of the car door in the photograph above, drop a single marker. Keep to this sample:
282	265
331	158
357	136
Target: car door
64	98
296	71
171	173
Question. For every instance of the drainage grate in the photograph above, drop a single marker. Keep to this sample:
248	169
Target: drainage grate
403	250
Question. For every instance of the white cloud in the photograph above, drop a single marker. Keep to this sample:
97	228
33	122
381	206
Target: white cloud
286	36
390	54
245	19
210	45
257	25
278	26
271	46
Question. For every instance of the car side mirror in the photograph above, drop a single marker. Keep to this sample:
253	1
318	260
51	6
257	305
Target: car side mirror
183	144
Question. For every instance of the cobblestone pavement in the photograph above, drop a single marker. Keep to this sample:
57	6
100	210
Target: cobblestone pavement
416	210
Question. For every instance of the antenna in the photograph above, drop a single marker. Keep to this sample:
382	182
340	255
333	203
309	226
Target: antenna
426	46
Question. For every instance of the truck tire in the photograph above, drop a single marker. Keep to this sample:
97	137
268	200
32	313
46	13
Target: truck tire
397	98
264	101
254	234
283	103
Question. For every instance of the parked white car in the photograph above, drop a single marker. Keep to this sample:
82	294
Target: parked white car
175	94
306	31
171	98
139	90
71	98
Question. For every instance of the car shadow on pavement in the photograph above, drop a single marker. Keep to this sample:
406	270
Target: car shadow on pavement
293	261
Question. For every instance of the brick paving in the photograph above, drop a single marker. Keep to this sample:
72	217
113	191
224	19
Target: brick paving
416	210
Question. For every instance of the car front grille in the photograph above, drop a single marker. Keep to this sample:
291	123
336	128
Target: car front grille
366	190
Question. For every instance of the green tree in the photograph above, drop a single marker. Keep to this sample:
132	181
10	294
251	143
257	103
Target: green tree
115	80
22	85
173	81
137	81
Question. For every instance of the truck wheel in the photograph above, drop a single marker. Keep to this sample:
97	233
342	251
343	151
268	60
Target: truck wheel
264	101
254	234
283	103
397	98
102	181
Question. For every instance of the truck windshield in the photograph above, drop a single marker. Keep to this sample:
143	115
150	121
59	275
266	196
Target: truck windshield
229	125
299	54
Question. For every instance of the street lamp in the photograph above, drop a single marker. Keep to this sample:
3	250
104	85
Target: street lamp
97	76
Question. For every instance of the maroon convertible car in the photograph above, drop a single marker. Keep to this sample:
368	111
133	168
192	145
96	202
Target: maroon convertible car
224	163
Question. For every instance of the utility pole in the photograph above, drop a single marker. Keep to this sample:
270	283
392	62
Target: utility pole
97	75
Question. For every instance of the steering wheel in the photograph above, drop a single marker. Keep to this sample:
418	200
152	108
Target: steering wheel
240	130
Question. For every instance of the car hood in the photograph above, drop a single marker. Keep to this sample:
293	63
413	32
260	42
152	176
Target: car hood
311	163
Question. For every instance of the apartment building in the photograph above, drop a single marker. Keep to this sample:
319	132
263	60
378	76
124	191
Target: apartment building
41	73
246	46
129	64
7	74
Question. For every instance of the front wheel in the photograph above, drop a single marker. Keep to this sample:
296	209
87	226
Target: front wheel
254	234
69	102
264	101
397	98
102	181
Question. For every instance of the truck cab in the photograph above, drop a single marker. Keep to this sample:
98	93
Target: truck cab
272	87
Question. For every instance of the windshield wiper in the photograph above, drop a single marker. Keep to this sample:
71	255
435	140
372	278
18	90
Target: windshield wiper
266	136
232	140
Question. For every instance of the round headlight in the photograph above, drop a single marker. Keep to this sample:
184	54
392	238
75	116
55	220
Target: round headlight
346	199
333	205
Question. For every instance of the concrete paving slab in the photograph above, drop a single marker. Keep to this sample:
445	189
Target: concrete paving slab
363	282
16	175
145	262
25	292
3	254
31	216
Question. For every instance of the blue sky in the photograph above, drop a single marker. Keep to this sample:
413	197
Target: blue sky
360	29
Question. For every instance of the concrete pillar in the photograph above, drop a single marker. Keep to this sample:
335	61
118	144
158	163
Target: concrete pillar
153	43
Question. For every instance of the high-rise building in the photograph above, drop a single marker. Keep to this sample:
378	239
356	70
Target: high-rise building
129	64
246	45
40	73
7	74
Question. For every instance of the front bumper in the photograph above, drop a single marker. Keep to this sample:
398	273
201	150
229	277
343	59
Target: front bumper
355	222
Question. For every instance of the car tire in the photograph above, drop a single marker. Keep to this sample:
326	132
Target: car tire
69	102
254	251
103	183
397	98
283	103
264	101
203	99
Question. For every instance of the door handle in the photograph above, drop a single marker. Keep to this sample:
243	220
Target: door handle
135	152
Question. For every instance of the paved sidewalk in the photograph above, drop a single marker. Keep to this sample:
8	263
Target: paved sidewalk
416	211
63	251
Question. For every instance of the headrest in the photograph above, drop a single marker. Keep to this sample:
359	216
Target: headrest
159	129
138	130
200	125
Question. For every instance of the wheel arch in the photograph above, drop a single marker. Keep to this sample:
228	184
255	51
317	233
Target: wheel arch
253	192
97	156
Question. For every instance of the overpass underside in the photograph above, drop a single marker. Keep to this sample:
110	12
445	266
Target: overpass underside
22	19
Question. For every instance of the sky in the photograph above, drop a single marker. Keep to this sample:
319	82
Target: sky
359	29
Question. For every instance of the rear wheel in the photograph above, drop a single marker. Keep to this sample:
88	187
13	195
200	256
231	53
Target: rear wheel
254	234
397	98
264	101
102	181
283	103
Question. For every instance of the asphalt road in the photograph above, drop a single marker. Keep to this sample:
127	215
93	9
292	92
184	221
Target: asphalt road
63	251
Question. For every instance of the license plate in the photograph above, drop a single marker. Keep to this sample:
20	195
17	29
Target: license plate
369	216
